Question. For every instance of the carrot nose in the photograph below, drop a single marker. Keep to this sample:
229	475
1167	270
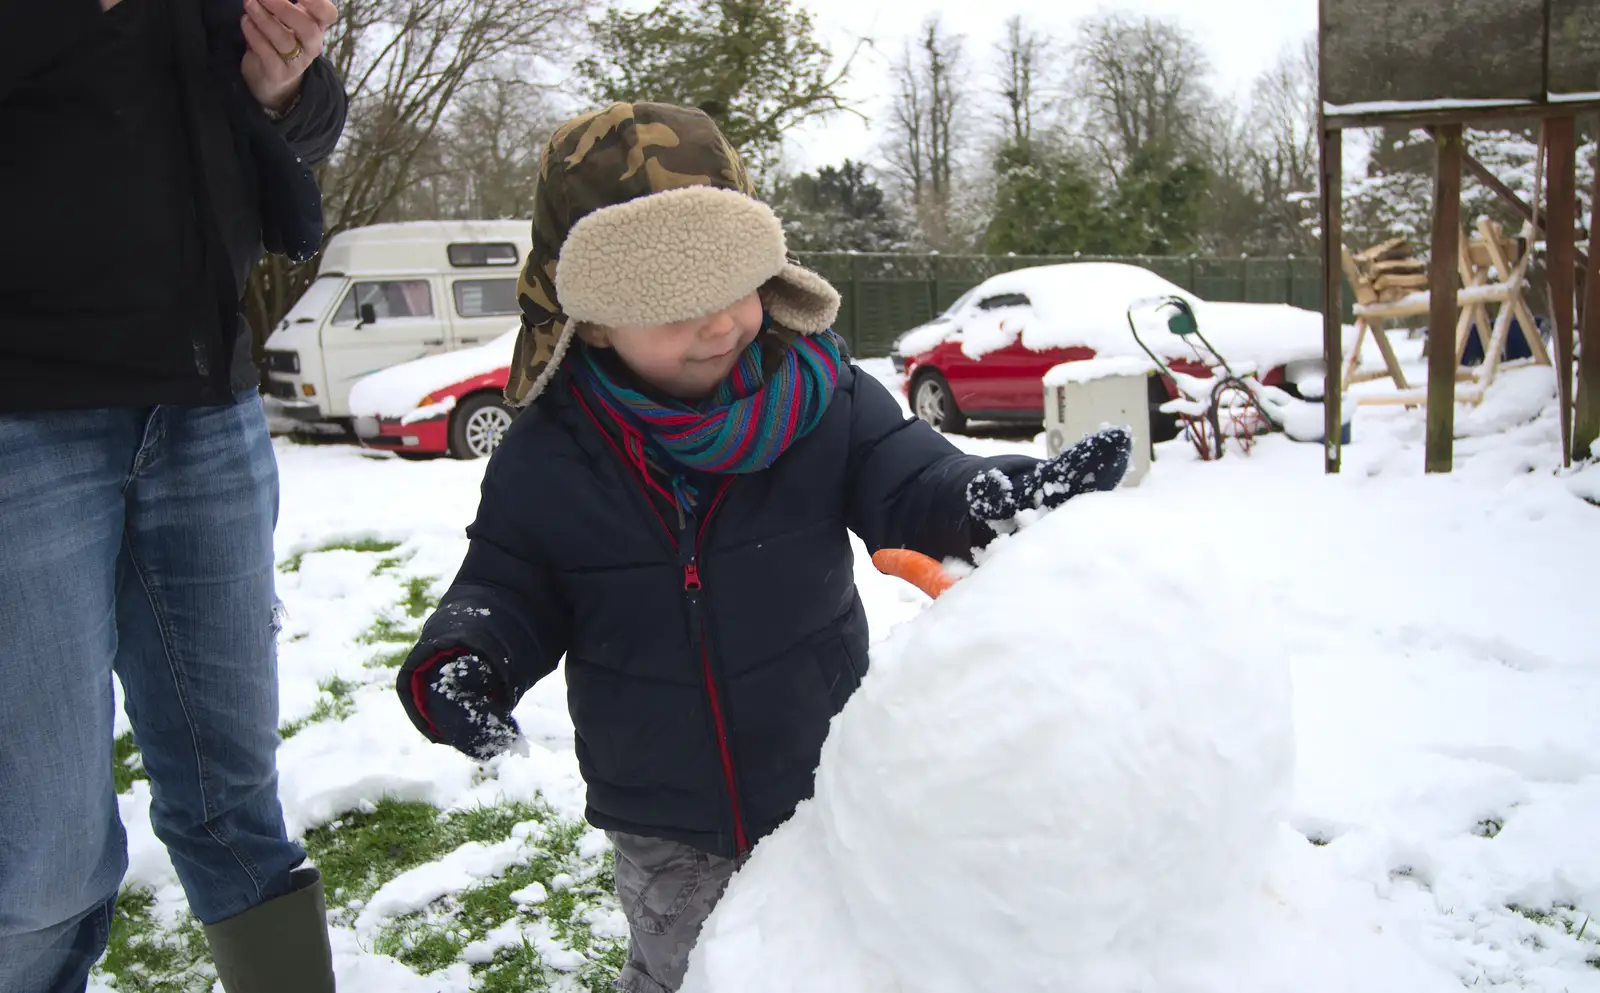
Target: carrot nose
915	568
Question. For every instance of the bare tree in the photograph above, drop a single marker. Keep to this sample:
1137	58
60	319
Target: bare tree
1142	80
1283	108
404	63
488	153
1021	58
930	109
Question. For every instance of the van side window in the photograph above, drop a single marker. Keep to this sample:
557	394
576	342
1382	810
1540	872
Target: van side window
485	297
468	254
391	299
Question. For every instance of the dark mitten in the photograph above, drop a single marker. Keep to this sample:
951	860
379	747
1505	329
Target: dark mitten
1097	463
460	700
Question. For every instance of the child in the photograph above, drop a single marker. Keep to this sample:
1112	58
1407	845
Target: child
670	513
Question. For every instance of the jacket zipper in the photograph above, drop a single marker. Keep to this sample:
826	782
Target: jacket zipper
693	587
688	551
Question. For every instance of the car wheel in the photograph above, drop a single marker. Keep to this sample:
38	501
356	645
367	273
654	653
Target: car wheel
477	426
932	401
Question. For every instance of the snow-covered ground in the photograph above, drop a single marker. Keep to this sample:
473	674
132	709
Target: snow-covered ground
1439	634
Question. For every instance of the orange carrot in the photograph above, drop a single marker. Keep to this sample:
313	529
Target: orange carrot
915	568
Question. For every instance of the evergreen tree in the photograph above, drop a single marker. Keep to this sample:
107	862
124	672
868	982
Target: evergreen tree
838	209
757	66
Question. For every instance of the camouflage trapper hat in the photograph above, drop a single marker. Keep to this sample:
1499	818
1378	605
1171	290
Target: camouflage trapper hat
645	215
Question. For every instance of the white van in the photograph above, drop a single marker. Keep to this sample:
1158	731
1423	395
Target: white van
388	294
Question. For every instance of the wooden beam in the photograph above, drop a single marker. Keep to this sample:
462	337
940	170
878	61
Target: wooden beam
1481	173
1332	180
1508	111
1561	209
1587	427
1442	298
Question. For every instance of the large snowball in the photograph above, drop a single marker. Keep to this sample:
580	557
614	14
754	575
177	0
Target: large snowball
1065	775
1055	742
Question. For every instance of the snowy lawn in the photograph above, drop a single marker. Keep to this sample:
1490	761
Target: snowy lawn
1444	652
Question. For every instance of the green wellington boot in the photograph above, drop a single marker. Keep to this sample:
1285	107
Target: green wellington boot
278	947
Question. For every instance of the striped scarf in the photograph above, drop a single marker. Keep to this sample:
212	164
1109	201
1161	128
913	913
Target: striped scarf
750	419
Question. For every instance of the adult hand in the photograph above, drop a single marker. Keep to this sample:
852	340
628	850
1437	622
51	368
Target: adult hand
282	38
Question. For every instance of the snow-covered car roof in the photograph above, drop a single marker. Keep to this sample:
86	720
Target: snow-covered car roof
1084	304
396	391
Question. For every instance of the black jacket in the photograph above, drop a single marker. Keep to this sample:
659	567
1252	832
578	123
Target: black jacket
704	659
135	180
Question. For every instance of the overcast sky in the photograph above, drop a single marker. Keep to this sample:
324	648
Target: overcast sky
1240	38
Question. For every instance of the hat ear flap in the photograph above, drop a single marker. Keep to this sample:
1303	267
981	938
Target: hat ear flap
801	300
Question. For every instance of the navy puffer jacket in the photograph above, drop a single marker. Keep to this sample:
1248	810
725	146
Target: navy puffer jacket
704	657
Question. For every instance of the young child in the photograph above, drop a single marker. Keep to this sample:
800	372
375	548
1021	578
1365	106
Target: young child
670	514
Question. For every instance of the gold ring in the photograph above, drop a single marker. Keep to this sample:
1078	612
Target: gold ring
299	50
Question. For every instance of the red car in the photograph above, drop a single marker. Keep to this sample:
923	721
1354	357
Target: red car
983	359
440	404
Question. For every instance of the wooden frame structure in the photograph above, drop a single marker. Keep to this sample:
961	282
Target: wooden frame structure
1383	63
1489	277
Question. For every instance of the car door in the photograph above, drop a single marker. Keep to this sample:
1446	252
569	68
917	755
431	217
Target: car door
482	308
993	376
378	324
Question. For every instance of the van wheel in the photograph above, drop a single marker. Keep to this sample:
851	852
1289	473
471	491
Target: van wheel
478	425
932	401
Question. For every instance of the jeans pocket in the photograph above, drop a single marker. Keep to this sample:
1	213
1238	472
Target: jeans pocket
657	881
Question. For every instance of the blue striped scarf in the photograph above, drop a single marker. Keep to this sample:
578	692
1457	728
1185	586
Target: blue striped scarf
749	420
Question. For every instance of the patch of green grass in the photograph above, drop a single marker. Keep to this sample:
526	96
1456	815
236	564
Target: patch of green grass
361	851
423	943
293	562
145	958
1564	918
388	660
388	563
436	937
419	601
1489	827
336	706
126	766
386	629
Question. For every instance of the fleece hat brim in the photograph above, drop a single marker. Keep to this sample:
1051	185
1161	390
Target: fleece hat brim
644	215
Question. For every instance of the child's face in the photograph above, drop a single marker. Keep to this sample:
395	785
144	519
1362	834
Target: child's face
685	359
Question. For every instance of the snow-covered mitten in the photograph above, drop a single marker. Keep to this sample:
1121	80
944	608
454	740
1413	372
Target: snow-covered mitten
458	699
1097	463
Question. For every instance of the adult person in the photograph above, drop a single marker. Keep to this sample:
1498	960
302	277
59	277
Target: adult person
152	149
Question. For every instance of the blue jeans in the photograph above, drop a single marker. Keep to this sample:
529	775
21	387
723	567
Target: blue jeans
137	541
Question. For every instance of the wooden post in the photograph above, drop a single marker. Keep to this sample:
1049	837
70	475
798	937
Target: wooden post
1442	299
1332	179
1587	428
1561	210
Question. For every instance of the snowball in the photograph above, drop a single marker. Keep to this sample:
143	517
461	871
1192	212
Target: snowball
1063	775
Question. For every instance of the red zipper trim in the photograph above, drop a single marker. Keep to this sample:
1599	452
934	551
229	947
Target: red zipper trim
692	581
740	838
625	461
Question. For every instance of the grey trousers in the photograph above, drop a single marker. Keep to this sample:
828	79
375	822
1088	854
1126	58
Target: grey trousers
667	892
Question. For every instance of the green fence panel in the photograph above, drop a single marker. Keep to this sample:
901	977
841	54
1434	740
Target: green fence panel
884	309
1219	279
